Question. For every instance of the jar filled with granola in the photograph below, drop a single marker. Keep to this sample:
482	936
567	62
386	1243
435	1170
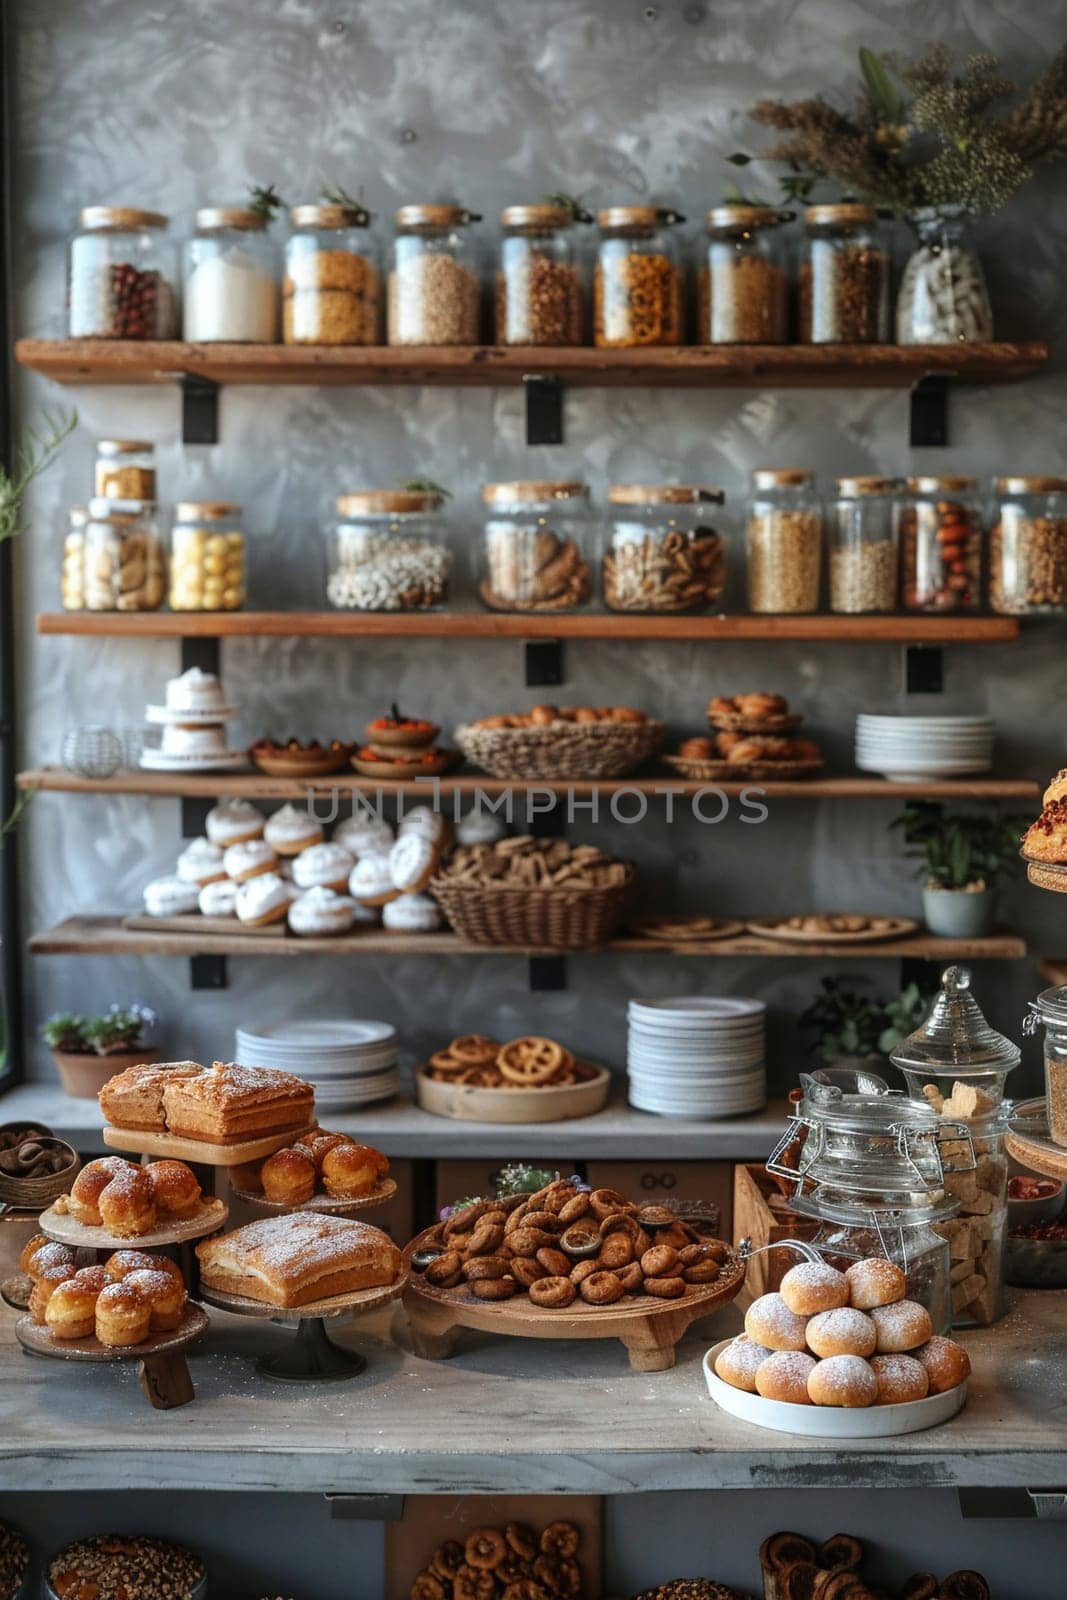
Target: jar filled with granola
663	554
207	557
231	278
863	545
121	276
1028	546
940	533
742	291
538	291
125	470
72	568
124	562
536	546
331	292
843	282
434	292
1050	1010
637	286
389	551
783	540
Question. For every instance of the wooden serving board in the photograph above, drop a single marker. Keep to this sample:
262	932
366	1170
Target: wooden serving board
430	1520
309	767
886	928
680	929
211	1216
464	1102
443	762
334	1305
164	1373
324	1203
193	923
147	1142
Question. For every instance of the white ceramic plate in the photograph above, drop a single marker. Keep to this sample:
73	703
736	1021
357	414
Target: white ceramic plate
340	1034
156	761
699	1006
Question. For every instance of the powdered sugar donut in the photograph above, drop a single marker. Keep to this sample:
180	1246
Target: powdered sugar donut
321	911
170	897
371	881
248	859
784	1376
426	821
262	899
875	1282
843	1381
841	1332
902	1326
323	866
737	1364
234	821
480	827
201	862
289	831
770	1322
412	862
364	836
412	913
900	1379
813	1286
219	899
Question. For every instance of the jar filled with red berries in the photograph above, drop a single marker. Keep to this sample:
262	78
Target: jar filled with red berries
122	276
940	534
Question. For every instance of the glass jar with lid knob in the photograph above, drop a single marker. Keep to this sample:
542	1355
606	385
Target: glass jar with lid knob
125	469
536	546
742	292
663	552
207	557
121	276
331	292
389	551
434	290
231	278
538	292
1028	546
864	569
638	281
843	282
783	541
125	568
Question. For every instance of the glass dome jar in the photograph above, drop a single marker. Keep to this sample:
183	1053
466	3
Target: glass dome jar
843	282
121	276
1050	1010
389	551
538	292
852	1229
124	564
207	557
943	297
663	554
1028	546
536	546
954	1044
331	292
434	292
72	566
783	541
125	470
231	279
940	531
742	294
637	285
863	546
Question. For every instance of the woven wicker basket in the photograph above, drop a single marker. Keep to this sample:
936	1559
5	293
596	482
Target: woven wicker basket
561	750
560	917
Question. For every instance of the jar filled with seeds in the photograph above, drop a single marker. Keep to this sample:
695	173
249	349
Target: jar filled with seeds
942	297
1028	546
843	283
863	545
72	569
940	532
207	557
125	470
663	554
121	276
536	546
332	289
434	292
231	278
637	286
538	291
783	540
124	563
1050	1010
389	551
742	291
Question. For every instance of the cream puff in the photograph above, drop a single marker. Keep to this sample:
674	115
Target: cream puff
321	911
364	836
170	897
424	820
324	866
234	822
249	859
201	862
262	899
290	831
411	913
480	827
371	881
123	1315
413	862
219	899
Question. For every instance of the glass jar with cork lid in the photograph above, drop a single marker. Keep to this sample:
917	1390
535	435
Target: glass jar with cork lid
389	551
72	566
231	278
434	291
638	284
1028	546
331	292
125	470
125	569
940	531
663	553
1050	1010
536	546
742	292
843	282
538	293
207	557
121	276
783	541
863	545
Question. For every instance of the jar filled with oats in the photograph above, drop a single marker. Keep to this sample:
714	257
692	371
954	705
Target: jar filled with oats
663	554
434	292
940	531
843	282
742	290
536	546
125	470
124	563
331	293
637	285
389	551
1028	546
783	540
72	568
538	290
207	557
121	276
863	545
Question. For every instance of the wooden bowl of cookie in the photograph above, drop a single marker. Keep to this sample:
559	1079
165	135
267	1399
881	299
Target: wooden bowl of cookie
480	1079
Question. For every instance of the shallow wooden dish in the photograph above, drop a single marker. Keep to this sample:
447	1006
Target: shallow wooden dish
319	1202
697	771
164	1374
465	1102
213	1214
147	1142
684	929
402	771
291	764
886	928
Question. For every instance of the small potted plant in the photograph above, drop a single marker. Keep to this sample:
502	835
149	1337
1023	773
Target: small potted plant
90	1050
960	857
855	1030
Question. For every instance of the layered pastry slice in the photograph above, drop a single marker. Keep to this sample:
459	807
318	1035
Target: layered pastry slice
290	1261
134	1098
229	1103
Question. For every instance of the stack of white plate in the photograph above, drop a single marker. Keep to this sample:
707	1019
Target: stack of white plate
696	1056
909	749
350	1064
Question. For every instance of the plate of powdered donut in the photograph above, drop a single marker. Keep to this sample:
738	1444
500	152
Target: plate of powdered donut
839	1355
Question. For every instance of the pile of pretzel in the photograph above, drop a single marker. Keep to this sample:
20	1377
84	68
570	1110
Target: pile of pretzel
527	1063
536	864
512	1563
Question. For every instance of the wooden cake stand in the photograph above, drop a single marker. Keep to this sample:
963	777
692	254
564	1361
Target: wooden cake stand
323	1203
1028	1142
164	1373
312	1357
147	1142
211	1216
649	1328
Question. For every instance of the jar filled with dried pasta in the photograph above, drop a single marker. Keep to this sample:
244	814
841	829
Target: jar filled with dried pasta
331	293
125	568
662	554
231	278
940	532
538	290
125	470
389	551
863	545
207	557
536	546
72	567
1028	546
783	540
122	270
843	282
637	285
742	293
434	292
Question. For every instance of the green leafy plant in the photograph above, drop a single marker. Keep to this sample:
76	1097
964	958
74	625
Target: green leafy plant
119	1029
573	203
847	1023
17	812
425	486
33	458
958	850
335	195
265	201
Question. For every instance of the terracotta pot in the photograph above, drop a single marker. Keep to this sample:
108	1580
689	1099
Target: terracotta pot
85	1075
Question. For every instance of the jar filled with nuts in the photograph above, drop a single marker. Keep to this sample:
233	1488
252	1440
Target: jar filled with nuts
125	470
742	290
662	553
434	292
124	564
940	533
536	541
1028	546
863	545
332	289
72	569
783	540
389	551
637	286
207	557
843	283
231	278
121	276
538	291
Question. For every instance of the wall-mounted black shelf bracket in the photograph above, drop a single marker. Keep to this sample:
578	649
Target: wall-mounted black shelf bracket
544	663
547	973
203	653
928	424
544	408
200	409
208	972
924	669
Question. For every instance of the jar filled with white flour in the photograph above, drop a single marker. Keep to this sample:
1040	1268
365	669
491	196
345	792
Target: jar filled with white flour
231	279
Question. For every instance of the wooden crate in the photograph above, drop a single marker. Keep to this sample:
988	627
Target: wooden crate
669	1180
459	1180
429	1520
755	1219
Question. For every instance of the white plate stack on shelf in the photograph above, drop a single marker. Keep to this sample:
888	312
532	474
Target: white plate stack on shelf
911	749
350	1064
193	719
697	1056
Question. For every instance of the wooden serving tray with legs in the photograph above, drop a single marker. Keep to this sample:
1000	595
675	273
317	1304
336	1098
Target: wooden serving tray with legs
164	1372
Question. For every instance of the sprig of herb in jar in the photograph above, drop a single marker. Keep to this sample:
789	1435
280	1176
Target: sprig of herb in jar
265	201
425	486
569	202
334	195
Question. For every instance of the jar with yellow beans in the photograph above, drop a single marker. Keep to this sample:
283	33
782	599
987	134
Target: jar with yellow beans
207	561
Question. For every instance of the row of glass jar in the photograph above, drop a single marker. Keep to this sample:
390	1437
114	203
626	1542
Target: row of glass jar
115	559
123	279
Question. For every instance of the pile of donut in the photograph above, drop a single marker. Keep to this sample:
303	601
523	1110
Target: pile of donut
128	1200
512	1563
830	1338
123	1302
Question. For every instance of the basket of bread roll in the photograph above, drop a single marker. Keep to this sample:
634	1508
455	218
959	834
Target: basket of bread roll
528	891
752	736
561	742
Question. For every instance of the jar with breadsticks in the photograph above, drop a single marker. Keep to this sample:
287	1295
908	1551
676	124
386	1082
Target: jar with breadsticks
863	545
72	564
1028	546
125	470
638	284
125	568
537	546
207	557
331	291
742	292
663	554
783	541
539	297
